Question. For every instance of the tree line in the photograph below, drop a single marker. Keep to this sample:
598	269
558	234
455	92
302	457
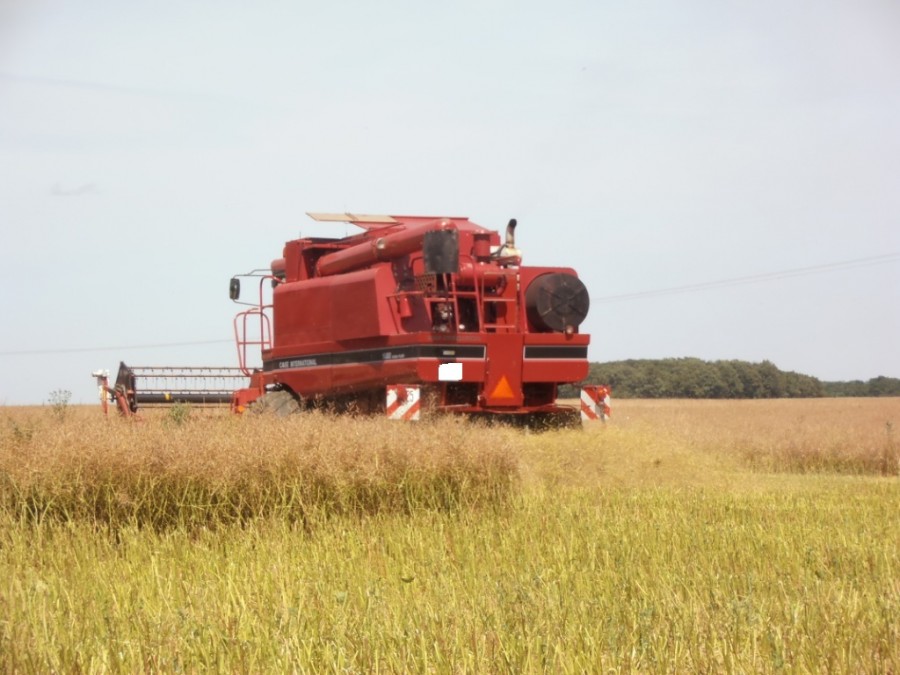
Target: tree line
695	378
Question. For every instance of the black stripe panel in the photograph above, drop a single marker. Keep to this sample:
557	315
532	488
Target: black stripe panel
556	352
447	352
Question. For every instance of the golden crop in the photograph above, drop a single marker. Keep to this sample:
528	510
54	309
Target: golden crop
683	536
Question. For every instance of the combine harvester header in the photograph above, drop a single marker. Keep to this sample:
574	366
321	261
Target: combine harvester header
414	313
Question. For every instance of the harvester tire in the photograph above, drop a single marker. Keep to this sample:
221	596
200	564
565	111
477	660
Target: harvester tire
278	403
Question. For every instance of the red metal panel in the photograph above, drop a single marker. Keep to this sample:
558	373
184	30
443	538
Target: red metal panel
564	366
359	304
302	313
503	384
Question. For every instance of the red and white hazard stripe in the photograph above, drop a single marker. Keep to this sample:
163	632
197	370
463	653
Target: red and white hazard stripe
403	402
594	403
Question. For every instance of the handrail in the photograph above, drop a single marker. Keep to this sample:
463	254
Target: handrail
264	340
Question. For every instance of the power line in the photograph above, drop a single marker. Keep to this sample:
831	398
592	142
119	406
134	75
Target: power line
755	278
689	288
76	350
92	86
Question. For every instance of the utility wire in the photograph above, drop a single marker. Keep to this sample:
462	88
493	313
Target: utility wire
75	350
689	288
755	278
96	86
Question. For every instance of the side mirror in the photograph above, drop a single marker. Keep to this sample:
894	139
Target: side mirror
234	288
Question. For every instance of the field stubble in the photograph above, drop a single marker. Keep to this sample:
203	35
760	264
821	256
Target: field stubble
684	535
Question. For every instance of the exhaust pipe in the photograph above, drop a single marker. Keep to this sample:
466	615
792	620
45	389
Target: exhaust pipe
508	254
511	234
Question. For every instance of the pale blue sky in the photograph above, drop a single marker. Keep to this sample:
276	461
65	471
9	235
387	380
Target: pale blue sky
148	151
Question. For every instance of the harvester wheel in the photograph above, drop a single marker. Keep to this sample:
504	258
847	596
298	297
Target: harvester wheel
278	403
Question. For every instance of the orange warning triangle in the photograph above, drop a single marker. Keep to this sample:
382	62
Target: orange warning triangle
502	390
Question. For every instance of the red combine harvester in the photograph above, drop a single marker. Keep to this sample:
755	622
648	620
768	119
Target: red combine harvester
413	313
